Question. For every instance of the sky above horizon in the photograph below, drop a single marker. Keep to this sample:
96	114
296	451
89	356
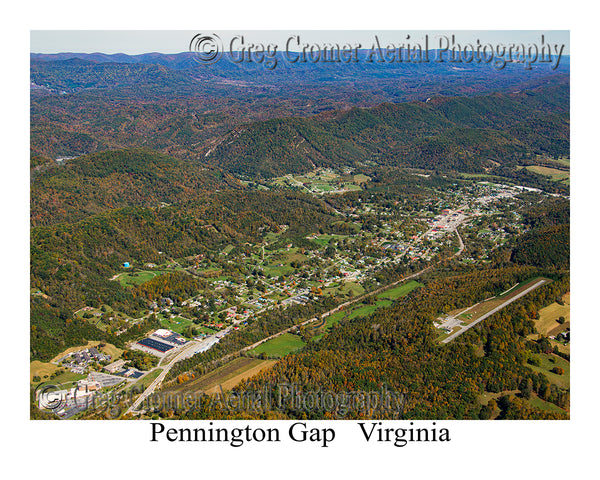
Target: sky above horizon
134	42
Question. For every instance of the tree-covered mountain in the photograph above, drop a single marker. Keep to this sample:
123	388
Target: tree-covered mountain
85	103
477	134
457	133
94	183
547	243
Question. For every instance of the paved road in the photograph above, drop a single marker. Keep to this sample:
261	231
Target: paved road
186	351
491	312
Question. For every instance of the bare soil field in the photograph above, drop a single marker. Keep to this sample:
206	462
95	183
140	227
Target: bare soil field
233	381
234	371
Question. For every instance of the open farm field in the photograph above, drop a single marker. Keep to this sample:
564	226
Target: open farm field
554	173
548	321
400	290
279	346
132	279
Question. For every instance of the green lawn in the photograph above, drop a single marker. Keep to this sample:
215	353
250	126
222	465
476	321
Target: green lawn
400	290
354	287
344	288
271	237
383	303
326	238
66	380
516	287
177	324
323	187
280	346
145	381
362	311
330	321
546	365
360	178
208	331
543	405
563	161
276	271
553	173
137	278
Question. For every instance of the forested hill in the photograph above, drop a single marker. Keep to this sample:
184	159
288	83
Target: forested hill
455	133
86	103
102	181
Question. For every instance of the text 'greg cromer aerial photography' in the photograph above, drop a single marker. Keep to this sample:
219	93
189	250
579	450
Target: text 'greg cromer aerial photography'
299	226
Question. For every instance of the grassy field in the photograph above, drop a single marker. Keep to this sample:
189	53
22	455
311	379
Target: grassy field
384	303
537	402
321	181
65	380
326	238
547	364
484	307
561	347
177	324
41	369
534	401
227	376
228	249
208	331
280	346
359	311
330	321
549	315
229	382
562	161
145	381
136	278
360	178
484	398
67	377
399	291
276	270
344	289
362	311
109	349
554	173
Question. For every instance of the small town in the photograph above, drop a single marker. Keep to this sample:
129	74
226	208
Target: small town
280	275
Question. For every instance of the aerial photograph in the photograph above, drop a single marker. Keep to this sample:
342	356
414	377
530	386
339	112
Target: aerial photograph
300	225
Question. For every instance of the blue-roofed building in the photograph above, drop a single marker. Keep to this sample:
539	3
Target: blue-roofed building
126	264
